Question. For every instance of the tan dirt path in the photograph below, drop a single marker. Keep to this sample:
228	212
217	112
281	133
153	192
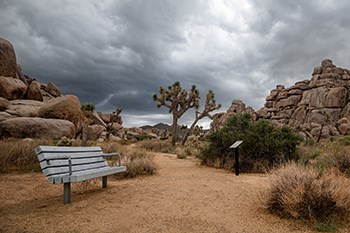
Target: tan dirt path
182	197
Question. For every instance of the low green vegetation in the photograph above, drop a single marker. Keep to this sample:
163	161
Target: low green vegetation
88	107
264	145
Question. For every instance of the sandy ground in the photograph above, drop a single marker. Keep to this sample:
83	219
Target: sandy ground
182	197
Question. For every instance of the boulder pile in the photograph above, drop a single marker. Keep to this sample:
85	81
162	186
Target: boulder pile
237	106
316	107
30	109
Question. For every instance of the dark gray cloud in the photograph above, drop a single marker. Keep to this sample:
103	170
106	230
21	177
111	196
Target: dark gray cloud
118	53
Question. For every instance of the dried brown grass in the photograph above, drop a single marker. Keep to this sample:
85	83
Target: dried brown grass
303	193
18	155
138	162
157	146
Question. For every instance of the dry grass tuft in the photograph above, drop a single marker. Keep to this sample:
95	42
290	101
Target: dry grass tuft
18	155
302	193
138	162
157	146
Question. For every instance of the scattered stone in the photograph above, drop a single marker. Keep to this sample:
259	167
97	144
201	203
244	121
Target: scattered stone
34	91
53	89
4	104
11	88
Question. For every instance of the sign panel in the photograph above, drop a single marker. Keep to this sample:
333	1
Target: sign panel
236	144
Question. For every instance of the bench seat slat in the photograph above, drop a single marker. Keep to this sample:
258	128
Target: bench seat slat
85	175
56	170
64	162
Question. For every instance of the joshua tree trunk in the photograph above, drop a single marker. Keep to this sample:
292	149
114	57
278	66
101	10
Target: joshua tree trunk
188	132
174	129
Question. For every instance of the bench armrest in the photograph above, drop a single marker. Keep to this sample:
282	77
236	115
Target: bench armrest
113	154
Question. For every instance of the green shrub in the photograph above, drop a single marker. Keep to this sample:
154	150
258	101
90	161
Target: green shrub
302	193
88	107
264	145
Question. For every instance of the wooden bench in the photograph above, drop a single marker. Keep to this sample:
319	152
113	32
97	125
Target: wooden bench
65	165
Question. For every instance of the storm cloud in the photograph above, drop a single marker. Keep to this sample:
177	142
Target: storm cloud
118	53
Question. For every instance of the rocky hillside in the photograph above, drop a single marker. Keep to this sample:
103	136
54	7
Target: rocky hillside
32	109
319	106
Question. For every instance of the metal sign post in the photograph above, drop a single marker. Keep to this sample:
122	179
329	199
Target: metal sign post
235	146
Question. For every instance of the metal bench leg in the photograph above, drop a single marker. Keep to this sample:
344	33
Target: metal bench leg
104	182
66	193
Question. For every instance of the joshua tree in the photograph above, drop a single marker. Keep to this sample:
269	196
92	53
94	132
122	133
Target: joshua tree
178	101
210	105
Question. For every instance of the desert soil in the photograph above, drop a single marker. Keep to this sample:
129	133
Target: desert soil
182	197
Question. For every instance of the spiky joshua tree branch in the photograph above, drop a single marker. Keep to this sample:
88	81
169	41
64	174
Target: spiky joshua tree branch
210	105
178	101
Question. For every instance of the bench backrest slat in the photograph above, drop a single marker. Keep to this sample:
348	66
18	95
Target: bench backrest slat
55	160
65	155
63	149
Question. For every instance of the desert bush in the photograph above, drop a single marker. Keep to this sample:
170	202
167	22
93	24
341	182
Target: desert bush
88	107
344	141
264	145
342	162
181	155
157	146
302	193
19	155
326	155
138	162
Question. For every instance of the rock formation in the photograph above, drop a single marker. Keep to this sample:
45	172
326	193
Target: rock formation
32	109
237	106
34	127
319	106
316	107
8	64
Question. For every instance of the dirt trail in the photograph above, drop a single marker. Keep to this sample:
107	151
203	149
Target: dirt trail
182	197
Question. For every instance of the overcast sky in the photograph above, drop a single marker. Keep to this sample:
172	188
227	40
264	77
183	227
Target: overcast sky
117	53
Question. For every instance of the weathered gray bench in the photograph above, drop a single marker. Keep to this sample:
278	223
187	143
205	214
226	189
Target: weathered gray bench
75	164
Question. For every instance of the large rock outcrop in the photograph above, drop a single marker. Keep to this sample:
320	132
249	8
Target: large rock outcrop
34	127
24	108
8	64
64	107
29	108
319	106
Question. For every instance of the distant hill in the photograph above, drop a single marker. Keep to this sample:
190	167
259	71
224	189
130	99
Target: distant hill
160	126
